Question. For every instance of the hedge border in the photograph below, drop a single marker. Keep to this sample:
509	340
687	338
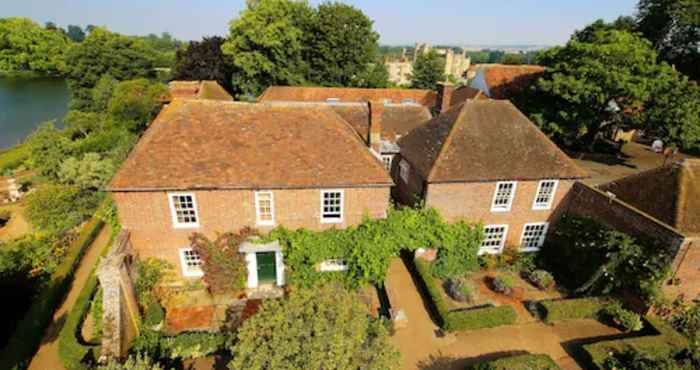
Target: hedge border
571	309
478	318
30	329
519	362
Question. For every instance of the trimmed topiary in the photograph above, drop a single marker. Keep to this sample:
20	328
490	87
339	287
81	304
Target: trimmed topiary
460	290
541	279
503	284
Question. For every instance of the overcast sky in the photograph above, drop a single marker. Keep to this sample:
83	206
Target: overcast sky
500	22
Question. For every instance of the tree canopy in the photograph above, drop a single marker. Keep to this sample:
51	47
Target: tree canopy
27	47
313	329
428	70
204	60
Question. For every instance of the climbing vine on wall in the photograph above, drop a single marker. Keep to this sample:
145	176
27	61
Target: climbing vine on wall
224	267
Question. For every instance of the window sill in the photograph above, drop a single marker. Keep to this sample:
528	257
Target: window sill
332	221
186	226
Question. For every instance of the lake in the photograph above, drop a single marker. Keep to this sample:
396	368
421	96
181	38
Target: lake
25	103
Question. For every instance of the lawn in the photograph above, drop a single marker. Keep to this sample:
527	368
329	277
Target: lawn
17	226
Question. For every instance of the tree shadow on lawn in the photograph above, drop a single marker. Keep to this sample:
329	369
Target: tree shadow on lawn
445	362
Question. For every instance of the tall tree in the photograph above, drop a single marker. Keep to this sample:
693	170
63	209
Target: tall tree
673	27
428	70
204	60
104	52
27	47
627	24
265	44
75	33
341	45
325	328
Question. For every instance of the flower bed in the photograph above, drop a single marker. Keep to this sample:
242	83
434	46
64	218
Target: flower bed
520	362
470	319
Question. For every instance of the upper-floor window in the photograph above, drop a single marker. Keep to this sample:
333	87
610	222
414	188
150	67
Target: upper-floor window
545	194
331	206
387	159
404	169
183	208
407	101
533	236
503	196
265	207
191	263
332	100
494	239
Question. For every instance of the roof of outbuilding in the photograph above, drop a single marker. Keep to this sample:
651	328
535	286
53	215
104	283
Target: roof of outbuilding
485	140
426	98
504	81
201	144
670	193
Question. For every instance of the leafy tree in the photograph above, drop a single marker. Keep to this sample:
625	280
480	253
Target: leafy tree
204	60
674	112
313	329
428	70
75	33
48	148
588	34
134	103
58	208
102	93
26	47
376	76
341	45
89	173
79	124
673	27
104	52
266	45
164	47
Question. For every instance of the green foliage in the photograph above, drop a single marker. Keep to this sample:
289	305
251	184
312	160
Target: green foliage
150	272
26	47
161	347
618	315
457	252
572	309
58	208
593	259
71	350
313	329
29	330
541	279
154	315
225	269
12	158
460	290
89	173
164	47
632	359
519	362
102	93
503	284
204	60
137	362
96	311
428	70
135	103
47	147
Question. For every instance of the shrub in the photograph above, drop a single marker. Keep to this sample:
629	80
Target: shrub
618	315
150	273
137	362
57	208
460	290
634	359
154	314
97	312
541	279
71	350
457	253
520	362
572	309
225	269
503	284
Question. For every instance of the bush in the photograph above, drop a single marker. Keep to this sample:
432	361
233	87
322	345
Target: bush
520	362
73	353
57	208
13	157
503	284
150	273
572	309
97	312
28	332
154	314
541	279
161	347
633	359
138	362
225	269
618	315
460	290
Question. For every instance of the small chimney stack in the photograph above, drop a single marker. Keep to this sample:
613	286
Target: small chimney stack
444	99
376	111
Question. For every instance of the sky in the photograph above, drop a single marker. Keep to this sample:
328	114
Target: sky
399	22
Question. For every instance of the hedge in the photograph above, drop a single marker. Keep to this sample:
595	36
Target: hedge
71	351
478	318
30	330
520	362
666	343
571	309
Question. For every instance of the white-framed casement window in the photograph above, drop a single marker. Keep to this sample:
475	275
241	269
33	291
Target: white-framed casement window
494	239
331	206
333	265
503	196
404	170
545	194
387	159
533	236
183	208
191	263
265	207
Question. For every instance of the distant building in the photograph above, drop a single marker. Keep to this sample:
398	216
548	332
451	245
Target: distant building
400	69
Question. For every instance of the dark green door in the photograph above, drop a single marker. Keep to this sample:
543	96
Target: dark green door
267	267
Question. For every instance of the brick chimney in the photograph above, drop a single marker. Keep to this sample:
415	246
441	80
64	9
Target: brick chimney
376	110
444	98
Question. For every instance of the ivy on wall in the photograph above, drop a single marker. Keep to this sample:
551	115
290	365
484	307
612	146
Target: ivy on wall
224	267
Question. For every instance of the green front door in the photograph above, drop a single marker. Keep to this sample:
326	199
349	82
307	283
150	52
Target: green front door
267	267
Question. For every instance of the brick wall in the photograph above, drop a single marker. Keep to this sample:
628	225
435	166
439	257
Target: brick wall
147	215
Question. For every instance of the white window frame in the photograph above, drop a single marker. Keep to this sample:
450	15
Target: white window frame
548	205
408	101
332	100
258	212
387	161
502	243
542	237
507	208
333	265
186	272
404	170
173	211
333	220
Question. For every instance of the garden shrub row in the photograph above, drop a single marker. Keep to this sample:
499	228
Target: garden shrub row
572	309
29	331
519	362
478	318
665	343
70	349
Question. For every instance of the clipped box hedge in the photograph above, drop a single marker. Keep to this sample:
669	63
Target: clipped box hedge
665	343
71	351
477	318
520	362
571	309
30	330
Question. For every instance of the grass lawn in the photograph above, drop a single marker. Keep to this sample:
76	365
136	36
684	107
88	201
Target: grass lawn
17	226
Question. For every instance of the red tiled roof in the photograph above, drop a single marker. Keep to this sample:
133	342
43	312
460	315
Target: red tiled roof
464	93
504	81
485	140
426	98
198	90
204	144
396	120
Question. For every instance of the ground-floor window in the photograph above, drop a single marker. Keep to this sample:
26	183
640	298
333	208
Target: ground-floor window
333	265
494	239
387	159
191	263
533	236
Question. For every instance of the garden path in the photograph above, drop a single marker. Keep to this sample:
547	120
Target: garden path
422	349
47	356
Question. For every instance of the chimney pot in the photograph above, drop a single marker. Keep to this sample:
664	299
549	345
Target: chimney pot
445	91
